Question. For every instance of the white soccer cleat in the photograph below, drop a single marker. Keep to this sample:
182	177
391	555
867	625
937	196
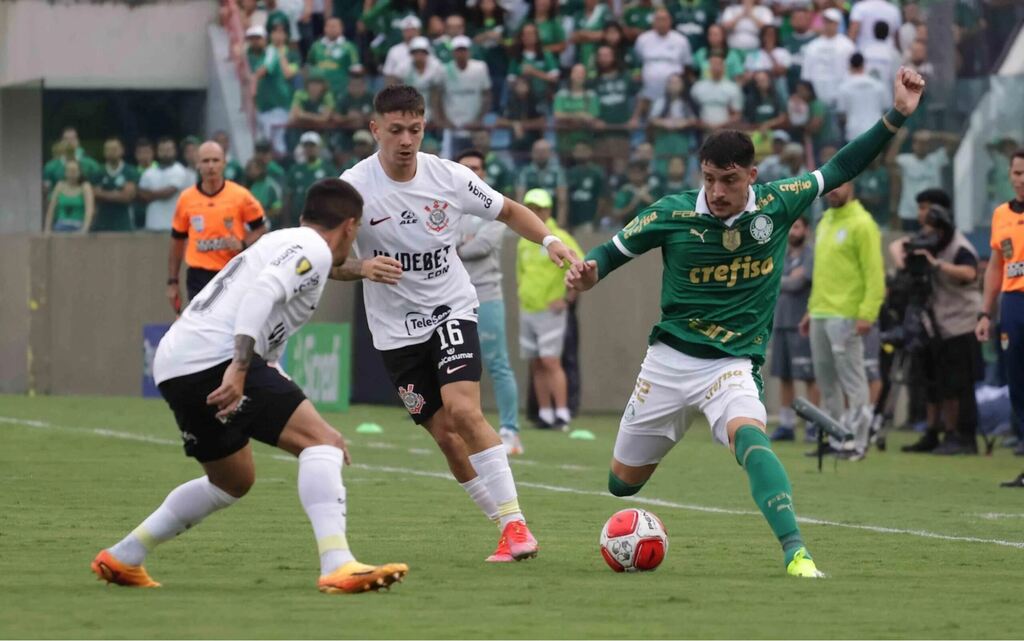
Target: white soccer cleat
510	439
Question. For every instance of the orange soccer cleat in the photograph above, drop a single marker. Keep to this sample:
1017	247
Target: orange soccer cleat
109	569
355	577
503	554
521	544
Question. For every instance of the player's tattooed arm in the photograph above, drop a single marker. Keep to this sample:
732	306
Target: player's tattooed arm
245	347
379	269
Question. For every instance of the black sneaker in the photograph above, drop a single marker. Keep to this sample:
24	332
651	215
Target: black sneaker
928	442
955	445
1017	482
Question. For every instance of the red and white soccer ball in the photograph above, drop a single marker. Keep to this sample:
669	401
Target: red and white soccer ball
634	540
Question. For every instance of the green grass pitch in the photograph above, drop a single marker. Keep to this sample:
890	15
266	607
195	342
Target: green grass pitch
915	546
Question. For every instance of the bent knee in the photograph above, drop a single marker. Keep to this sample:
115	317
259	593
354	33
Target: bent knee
464	415
237	485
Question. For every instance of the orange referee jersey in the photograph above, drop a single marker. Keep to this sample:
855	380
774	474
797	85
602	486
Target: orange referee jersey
1008	240
209	221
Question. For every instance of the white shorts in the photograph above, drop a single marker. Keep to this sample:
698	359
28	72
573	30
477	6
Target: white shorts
542	334
671	389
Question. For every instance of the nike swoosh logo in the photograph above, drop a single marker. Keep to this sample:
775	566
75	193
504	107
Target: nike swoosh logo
452	370
379	221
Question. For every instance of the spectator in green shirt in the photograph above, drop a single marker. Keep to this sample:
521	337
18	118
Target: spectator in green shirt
544	172
312	107
548	26
71	205
233	170
273	68
523	116
264	153
808	117
486	25
637	18
334	56
499	174
762	107
673	181
115	190
589	29
873	190
615	89
454	26
266	191
576	111
586	189
530	60
352	111
692	17
673	121
363	145
717	46
70	149
632	196
305	173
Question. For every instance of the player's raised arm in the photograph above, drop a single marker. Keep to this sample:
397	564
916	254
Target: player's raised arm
856	155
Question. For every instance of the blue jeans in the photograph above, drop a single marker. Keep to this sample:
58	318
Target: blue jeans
494	348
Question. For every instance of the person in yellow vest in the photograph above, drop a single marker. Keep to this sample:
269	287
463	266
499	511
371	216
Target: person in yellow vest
543	313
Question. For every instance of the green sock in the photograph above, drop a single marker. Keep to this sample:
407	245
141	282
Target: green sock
769	486
618	487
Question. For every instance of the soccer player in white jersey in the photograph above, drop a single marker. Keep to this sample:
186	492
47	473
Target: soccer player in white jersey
421	306
211	368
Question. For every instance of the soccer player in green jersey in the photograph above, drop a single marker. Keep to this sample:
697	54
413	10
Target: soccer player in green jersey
722	253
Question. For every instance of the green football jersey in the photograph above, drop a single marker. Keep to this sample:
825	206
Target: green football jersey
719	282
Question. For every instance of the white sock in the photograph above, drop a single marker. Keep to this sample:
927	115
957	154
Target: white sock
477	490
787	417
562	414
323	497
184	507
492	466
547	415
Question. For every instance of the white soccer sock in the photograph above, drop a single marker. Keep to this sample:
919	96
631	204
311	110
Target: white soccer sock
787	417
184	507
547	415
477	490
562	413
492	466
323	497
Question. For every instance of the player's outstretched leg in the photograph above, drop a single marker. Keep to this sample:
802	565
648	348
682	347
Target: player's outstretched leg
772	492
227	480
488	457
321	451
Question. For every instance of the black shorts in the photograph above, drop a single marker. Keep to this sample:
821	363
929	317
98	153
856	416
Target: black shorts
272	401
949	367
196	279
451	354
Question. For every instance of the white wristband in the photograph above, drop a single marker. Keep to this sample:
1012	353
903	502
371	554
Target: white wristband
550	238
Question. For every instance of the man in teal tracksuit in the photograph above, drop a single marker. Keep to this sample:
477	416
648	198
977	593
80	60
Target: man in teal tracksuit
848	286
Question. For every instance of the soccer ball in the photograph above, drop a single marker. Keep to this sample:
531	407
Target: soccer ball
634	540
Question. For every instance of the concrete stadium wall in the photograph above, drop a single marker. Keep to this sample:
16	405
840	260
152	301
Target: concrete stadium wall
21	159
72	311
152	46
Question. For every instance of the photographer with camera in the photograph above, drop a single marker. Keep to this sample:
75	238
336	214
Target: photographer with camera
939	267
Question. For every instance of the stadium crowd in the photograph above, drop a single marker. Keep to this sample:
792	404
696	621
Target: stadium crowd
600	104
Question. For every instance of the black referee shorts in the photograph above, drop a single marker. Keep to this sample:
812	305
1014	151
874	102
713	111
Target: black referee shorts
272	401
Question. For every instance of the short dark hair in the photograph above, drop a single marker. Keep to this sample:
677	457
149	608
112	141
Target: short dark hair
934	196
470	153
881	30
263	145
857	61
330	202
162	139
1017	154
143	142
726	148
400	98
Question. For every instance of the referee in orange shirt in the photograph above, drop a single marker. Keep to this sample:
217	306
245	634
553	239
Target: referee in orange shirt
217	219
1005	274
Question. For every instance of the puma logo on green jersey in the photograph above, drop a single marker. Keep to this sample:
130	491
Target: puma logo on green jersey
698	234
740	268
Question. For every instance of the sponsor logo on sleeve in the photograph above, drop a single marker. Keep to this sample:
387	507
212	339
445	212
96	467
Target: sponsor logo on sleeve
285	255
797	186
479	193
303	266
310	282
638	224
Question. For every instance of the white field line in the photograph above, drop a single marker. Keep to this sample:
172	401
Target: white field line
561	489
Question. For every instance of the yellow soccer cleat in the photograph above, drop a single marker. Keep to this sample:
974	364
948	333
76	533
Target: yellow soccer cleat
803	566
355	577
109	569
